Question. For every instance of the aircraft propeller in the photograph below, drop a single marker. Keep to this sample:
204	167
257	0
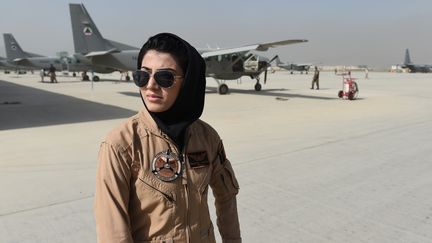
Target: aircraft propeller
267	66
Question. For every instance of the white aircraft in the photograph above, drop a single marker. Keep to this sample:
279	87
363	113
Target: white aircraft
292	67
222	64
18	57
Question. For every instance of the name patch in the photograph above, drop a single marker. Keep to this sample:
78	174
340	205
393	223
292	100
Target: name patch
198	159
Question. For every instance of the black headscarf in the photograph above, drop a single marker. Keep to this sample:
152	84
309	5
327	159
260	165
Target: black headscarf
189	104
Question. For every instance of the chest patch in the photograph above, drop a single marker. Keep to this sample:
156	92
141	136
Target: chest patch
166	166
198	159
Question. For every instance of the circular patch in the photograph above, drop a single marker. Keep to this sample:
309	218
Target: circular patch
166	166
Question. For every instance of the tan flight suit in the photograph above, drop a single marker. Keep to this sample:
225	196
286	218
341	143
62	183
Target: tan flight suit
133	205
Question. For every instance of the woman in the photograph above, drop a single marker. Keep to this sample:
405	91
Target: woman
155	169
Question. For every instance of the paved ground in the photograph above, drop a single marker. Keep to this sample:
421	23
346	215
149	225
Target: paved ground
312	167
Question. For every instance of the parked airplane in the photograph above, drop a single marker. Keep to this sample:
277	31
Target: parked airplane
17	56
4	64
7	66
222	64
292	66
415	68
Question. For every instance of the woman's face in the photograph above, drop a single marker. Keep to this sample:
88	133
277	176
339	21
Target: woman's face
156	98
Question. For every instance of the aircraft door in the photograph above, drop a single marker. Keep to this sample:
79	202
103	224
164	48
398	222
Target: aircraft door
251	63
237	63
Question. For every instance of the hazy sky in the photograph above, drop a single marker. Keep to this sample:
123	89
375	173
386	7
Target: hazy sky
340	32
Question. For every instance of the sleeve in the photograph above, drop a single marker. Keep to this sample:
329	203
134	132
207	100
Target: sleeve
112	197
225	188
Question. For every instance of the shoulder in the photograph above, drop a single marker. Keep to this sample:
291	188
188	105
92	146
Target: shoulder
124	134
204	138
202	128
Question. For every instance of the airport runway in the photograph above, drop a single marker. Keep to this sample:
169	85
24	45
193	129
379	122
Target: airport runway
311	167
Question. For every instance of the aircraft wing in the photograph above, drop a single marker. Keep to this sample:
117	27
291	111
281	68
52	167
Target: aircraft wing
101	53
22	62
122	46
303	64
256	47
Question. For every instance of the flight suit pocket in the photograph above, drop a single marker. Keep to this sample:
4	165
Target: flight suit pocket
199	165
152	184
224	182
231	179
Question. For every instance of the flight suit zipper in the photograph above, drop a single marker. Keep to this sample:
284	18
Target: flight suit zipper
184	177
185	184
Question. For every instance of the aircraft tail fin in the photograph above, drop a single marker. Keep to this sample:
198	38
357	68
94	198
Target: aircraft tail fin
407	57
13	49
86	35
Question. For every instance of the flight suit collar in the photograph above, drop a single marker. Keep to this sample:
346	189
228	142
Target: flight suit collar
151	126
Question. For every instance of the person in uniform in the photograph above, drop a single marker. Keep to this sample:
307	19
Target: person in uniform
52	74
315	79
156	168
42	74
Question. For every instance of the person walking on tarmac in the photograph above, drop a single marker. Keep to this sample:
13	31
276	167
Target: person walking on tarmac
315	79
42	74
155	169
52	74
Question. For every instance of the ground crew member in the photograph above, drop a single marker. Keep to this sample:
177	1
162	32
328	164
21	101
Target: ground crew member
42	74
315	79
155	169
52	74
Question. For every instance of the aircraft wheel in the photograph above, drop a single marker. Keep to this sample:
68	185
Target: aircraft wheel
85	78
258	87
73	74
223	89
96	78
340	94
127	78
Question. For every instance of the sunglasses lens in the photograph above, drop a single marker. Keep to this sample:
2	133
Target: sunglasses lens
164	79
141	78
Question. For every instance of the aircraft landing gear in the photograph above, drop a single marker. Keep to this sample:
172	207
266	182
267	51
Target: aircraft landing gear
258	86
95	78
223	89
73	74
127	78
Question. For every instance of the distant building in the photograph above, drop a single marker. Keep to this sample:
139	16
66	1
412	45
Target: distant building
344	68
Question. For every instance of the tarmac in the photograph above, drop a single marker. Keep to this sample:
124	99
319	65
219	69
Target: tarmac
311	167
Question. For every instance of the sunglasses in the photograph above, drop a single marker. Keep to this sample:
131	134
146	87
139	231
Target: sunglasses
164	78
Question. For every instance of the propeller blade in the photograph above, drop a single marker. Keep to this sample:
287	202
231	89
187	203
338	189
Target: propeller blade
274	58
265	76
